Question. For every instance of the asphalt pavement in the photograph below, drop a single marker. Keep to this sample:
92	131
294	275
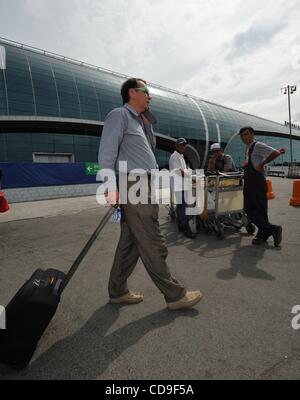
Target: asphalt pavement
242	329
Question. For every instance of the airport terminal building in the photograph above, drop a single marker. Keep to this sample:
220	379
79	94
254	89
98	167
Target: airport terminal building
52	111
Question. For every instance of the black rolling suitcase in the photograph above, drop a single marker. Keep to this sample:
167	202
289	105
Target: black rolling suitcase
32	308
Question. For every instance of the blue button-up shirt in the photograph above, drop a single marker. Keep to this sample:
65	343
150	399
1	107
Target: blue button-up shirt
126	138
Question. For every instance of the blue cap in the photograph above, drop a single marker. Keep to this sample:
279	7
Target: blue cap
181	140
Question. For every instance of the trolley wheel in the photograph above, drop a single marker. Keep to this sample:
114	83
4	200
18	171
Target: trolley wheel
245	219
206	226
235	223
172	214
250	228
193	224
238	216
219	229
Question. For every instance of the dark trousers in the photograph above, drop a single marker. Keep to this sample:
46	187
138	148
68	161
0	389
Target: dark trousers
182	218
256	207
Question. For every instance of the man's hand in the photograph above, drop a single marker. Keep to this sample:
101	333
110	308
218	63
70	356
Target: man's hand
186	172
112	198
272	156
261	168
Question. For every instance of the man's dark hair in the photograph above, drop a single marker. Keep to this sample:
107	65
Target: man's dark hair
246	128
131	83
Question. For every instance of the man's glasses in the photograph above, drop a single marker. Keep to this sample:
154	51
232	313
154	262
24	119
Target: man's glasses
143	89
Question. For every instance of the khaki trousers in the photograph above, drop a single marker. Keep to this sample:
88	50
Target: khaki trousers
141	237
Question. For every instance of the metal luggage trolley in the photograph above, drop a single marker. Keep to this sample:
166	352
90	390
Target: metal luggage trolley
223	204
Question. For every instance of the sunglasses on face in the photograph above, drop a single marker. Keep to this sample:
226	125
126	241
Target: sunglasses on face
143	89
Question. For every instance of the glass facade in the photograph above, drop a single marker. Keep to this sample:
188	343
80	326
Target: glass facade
36	85
20	146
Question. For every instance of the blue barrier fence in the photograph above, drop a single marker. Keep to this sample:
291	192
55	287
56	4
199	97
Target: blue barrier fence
16	175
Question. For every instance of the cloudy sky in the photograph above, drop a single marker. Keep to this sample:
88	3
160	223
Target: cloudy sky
237	53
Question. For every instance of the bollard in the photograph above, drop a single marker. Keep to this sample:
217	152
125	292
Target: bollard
295	200
270	193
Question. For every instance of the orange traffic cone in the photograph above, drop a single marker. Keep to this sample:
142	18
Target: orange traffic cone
295	200
4	206
270	193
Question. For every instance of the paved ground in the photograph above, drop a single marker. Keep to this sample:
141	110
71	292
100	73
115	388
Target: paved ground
241	329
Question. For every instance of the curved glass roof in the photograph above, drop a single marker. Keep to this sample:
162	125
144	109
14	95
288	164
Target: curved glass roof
36	83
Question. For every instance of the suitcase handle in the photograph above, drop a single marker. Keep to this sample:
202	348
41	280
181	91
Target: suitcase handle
86	248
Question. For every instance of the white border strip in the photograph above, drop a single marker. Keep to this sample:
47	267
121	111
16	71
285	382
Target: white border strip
206	130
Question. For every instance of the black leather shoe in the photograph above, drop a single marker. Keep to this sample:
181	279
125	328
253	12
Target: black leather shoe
258	240
189	234
277	235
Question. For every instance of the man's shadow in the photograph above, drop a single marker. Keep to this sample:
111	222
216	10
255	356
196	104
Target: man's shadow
171	235
90	351
244	258
244	261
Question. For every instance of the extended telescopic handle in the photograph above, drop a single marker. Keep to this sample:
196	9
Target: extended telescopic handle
86	248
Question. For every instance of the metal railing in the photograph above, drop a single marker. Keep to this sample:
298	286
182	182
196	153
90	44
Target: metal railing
294	171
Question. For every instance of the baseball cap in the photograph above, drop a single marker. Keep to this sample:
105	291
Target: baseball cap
216	146
181	140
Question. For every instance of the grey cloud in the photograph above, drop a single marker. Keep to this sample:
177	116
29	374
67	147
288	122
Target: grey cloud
296	117
172	62
257	36
173	74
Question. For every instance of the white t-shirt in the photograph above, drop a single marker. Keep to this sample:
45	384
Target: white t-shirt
260	152
176	165
177	162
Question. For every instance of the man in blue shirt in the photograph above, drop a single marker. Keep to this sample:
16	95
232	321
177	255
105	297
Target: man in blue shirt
128	137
